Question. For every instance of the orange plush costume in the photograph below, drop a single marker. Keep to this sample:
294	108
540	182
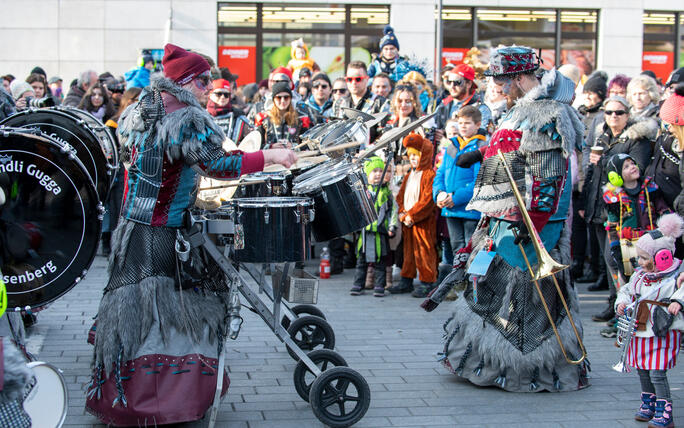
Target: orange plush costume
420	251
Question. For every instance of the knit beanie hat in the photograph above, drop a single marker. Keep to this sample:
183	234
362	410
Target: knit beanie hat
672	110
281	87
18	87
616	162
373	163
38	70
670	227
596	84
389	38
676	77
182	66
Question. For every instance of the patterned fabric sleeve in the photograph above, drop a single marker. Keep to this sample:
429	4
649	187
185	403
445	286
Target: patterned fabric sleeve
546	172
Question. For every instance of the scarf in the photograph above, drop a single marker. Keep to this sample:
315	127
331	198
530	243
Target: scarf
99	113
217	110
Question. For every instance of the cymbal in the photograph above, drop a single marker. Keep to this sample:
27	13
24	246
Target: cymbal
369	120
251	143
395	134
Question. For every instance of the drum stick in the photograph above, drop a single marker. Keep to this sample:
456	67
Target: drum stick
299	146
233	184
330	149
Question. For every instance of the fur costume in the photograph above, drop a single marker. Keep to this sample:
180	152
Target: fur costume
498	333
158	339
16	377
420	239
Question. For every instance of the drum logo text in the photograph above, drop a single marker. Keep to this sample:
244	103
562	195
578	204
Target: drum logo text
29	276
48	183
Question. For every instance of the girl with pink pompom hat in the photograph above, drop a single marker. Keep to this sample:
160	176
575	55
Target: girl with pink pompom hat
654	297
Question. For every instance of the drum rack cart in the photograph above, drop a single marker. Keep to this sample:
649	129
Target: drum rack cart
339	396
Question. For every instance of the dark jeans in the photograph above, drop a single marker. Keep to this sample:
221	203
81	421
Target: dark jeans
655	382
611	264
460	232
579	233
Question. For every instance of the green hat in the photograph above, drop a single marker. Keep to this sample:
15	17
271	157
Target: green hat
373	163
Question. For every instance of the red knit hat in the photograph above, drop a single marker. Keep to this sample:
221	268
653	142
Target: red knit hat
221	84
182	66
283	70
672	110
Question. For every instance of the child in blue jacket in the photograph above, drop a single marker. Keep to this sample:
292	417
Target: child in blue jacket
453	185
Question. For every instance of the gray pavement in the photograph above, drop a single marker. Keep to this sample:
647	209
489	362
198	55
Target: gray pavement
390	341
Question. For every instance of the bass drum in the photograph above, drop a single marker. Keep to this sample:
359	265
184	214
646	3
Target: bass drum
46	402
66	128
50	221
107	141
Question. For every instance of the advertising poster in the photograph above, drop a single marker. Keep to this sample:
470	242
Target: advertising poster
241	60
661	63
330	59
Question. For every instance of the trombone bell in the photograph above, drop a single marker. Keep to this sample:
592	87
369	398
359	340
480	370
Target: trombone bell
547	266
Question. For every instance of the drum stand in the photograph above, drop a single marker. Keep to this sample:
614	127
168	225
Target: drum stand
339	396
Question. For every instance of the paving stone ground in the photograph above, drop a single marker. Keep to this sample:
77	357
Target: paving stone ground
390	341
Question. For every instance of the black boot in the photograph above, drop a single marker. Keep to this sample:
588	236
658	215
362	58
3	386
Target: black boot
404	286
336	265
607	314
601	283
423	289
576	269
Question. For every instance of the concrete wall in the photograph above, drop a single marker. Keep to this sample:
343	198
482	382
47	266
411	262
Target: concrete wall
68	36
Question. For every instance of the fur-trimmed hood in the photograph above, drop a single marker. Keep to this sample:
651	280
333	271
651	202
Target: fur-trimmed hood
546	118
180	132
644	127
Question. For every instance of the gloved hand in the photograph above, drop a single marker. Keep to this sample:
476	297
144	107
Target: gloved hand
466	160
522	235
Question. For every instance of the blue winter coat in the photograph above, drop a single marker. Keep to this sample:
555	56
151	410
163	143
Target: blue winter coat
137	78
458	181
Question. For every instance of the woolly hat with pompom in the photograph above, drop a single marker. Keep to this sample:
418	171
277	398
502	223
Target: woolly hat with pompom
389	38
670	228
672	110
373	163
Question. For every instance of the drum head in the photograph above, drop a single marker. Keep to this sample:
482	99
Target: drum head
67	128
47	402
49	227
107	141
251	143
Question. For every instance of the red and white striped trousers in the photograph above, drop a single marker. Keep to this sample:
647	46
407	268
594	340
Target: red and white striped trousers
654	353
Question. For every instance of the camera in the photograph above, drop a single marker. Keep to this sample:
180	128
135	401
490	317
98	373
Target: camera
40	102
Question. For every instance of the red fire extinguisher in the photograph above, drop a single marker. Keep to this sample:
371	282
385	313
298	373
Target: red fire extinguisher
324	268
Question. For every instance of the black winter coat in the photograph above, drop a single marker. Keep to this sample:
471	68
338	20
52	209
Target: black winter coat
635	140
665	169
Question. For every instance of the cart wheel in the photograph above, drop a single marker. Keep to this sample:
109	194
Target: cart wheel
310	333
339	397
302	309
324	359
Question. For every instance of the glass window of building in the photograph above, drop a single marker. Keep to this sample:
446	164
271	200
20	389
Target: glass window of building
578	39
254	38
659	43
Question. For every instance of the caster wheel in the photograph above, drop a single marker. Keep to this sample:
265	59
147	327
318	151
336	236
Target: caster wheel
339	397
324	359
310	333
302	309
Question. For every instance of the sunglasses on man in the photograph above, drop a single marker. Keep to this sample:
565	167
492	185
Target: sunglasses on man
320	85
354	79
457	82
224	94
615	112
339	90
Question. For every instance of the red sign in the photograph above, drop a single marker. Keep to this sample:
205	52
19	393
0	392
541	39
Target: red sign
661	63
241	60
453	55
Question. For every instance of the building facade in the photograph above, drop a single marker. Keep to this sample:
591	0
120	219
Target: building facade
68	36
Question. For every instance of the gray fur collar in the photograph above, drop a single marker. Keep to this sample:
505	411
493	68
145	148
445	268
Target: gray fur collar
180	132
644	127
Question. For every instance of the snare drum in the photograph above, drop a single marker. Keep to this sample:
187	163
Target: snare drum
272	230
265	184
46	402
342	202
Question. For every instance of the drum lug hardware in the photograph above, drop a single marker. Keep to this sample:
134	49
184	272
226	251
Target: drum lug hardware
325	196
312	215
298	216
267	217
182	247
269	188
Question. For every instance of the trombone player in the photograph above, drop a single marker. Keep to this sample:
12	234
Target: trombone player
517	324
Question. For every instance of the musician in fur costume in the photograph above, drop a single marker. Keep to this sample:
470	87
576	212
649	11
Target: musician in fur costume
499	333
162	320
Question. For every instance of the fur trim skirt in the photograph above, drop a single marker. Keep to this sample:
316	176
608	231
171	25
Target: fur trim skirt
156	345
499	333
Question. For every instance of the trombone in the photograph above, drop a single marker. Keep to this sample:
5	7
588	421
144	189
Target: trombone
547	267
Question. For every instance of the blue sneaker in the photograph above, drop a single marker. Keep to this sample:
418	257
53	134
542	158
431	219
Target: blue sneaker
647	409
663	415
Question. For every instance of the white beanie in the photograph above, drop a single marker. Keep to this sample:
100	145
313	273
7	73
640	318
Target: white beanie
18	88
